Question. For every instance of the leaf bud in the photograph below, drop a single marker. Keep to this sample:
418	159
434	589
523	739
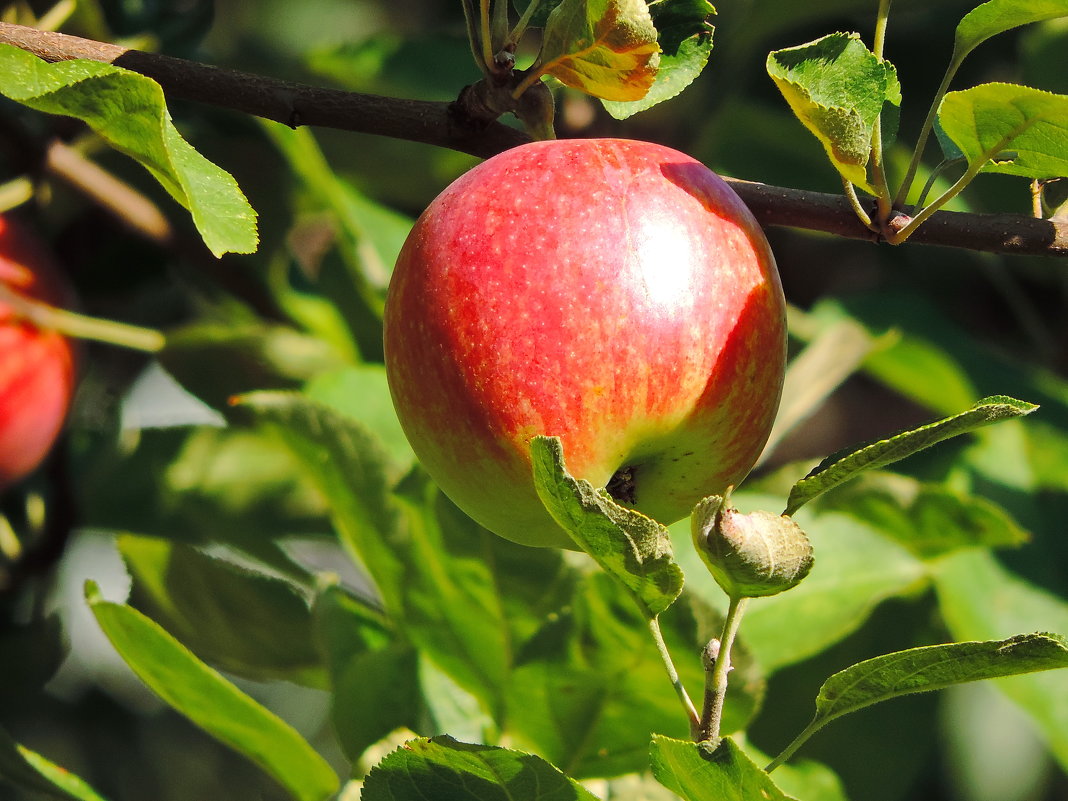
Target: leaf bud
749	555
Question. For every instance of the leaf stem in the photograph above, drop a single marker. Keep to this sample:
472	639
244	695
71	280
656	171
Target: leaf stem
925	132
882	189
796	743
473	37
80	326
521	26
854	201
673	674
487	36
716	684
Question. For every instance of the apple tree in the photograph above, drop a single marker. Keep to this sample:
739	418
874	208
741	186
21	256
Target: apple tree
241	559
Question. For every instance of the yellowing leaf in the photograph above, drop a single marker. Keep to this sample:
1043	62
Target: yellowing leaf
606	48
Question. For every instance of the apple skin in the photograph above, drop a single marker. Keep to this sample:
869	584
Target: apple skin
616	294
37	367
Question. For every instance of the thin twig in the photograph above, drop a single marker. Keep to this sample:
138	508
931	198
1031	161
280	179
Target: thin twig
435	124
673	674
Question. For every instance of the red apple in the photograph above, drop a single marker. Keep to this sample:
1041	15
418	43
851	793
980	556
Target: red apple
36	366
616	294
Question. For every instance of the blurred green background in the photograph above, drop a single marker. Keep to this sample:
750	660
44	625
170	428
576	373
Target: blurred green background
965	325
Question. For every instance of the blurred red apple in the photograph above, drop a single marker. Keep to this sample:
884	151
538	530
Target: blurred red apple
616	294
36	366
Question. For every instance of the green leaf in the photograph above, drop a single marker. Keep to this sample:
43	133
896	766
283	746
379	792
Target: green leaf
374	674
361	392
838	89
980	599
211	702
631	547
929	519
697	773
1005	128
605	48
465	596
215	361
241	621
350	468
590	686
685	39
26	769
839	468
934	667
998	16
129	111
443	768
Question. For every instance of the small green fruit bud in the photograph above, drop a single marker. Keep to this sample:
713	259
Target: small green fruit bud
749	555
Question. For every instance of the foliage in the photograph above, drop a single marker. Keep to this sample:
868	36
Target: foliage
310	613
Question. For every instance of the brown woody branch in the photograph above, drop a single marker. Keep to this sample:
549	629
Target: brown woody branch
444	125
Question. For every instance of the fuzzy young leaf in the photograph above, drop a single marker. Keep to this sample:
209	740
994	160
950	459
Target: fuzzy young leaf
935	667
605	48
839	468
685	39
697	773
441	767
211	702
633	548
26	769
838	89
998	16
987	120
129	111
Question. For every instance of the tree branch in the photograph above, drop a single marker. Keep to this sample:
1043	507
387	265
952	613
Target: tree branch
446	125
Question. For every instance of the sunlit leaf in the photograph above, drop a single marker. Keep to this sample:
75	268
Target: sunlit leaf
998	16
633	548
28	770
443	768
698	773
1009	129
980	599
129	111
211	702
841	467
605	48
932	667
685	39
838	89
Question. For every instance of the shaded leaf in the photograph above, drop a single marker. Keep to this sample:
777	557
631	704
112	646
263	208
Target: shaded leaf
28	770
129	111
838	89
929	519
464	596
685	39
211	702
540	15
697	773
590	686
374	674
934	667
631	547
243	622
443	768
980	599
998	16
841	467
605	48
1005	128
